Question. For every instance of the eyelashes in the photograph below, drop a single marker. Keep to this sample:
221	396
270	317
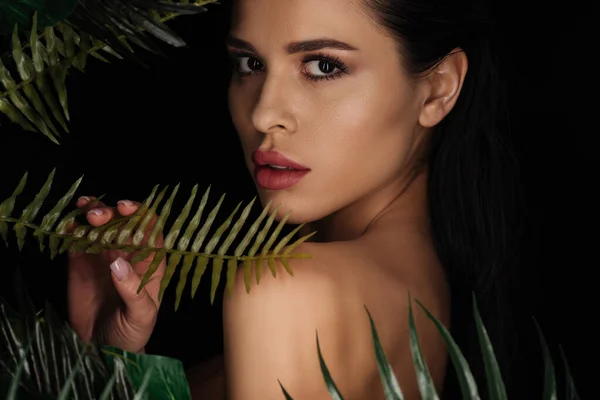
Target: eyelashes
315	67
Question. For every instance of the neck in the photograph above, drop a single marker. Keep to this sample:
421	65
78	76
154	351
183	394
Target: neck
406	197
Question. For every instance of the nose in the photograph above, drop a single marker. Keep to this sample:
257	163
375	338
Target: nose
273	111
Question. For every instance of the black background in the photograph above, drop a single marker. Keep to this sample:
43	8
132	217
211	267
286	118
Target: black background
133	128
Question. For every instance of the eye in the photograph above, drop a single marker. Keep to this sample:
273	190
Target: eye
248	65
320	68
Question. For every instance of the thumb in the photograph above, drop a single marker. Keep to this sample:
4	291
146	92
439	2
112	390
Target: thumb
140	309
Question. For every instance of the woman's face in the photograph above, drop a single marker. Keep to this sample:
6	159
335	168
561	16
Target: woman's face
319	82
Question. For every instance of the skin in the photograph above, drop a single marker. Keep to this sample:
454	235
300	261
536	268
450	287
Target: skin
363	134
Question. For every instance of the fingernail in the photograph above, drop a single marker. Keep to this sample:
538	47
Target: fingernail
96	211
126	203
120	268
83	198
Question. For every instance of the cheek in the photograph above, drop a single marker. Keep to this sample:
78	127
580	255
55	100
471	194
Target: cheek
346	128
365	136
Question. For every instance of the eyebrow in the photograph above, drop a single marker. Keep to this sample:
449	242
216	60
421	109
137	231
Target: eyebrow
294	47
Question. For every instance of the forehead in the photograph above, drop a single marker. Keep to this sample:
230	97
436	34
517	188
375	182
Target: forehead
282	21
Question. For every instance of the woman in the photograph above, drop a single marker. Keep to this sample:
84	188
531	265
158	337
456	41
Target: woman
374	121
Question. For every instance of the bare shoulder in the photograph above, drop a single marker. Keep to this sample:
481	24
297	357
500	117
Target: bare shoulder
271	333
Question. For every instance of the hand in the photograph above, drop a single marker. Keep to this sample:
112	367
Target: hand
103	302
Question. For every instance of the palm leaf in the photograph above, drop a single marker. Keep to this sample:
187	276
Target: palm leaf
570	389
33	74
391	387
162	377
495	383
43	358
426	386
49	360
331	386
126	233
466	379
549	376
286	395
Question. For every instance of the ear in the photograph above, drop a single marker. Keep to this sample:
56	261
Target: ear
444	84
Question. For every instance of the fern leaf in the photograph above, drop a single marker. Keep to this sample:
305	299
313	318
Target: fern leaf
31	211
32	96
191	243
37	99
15	115
170	241
50	219
218	261
58	72
26	72
200	236
232	265
65	223
39	58
20	103
244	243
19	12
271	241
260	237
188	259
7	206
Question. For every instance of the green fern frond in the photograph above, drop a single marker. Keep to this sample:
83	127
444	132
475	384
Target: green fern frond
137	21
20	11
186	245
33	89
33	74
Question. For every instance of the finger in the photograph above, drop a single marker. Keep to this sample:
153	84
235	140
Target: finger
88	201
97	212
100	215
127	207
141	310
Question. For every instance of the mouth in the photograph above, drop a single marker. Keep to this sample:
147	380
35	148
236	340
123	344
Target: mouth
274	171
276	160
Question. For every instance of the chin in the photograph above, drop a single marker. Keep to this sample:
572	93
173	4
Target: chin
299	212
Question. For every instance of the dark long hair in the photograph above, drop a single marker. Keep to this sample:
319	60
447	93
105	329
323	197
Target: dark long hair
473	186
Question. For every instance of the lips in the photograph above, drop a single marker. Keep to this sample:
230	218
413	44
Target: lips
273	158
274	171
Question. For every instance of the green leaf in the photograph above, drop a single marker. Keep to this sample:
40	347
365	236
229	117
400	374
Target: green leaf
127	233
426	386
168	380
465	377
69	383
31	211
571	391
106	393
549	376
331	387
285	393
494	379
19	12
391	387
7	206
14	385
52	216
